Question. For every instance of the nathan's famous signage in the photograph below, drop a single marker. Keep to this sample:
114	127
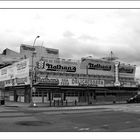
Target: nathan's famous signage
46	80
81	82
99	66
64	81
87	82
126	69
55	67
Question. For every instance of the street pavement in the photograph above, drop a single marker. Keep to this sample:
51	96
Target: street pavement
131	108
20	117
41	107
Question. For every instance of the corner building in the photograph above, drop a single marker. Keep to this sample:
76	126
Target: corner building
87	80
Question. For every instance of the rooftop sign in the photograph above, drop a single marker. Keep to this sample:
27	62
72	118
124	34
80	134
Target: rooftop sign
56	67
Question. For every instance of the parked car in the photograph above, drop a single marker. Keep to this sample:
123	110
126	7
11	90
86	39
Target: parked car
135	99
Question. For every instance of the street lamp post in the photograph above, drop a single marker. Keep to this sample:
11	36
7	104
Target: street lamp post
32	71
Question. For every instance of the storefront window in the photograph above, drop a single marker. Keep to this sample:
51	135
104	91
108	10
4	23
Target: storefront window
71	94
56	95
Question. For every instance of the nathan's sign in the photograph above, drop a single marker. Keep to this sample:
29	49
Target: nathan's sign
99	66
126	70
47	81
87	82
52	67
55	67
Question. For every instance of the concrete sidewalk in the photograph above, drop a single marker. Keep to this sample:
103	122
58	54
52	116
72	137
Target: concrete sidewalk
26	106
16	104
42	107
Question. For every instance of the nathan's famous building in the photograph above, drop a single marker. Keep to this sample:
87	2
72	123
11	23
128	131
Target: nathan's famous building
87	80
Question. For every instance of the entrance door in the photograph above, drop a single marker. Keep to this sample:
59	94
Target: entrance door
45	97
92	96
82	96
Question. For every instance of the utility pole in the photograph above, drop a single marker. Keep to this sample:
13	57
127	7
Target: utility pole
32	72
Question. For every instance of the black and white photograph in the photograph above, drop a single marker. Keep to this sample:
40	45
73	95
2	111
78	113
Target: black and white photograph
69	69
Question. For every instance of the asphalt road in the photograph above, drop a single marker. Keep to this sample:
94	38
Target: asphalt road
105	118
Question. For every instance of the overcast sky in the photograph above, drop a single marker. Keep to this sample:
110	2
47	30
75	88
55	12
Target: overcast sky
75	32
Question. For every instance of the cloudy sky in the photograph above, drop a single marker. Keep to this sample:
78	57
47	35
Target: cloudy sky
75	32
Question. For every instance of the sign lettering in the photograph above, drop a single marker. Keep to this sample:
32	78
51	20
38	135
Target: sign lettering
21	65
99	67
64	82
53	67
47	81
126	70
87	82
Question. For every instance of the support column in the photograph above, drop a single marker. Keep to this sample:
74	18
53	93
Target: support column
42	96
15	95
50	96
117	83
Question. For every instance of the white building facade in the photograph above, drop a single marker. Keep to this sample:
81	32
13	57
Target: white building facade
85	80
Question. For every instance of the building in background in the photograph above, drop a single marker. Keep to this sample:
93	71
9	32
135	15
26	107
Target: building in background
86	80
8	57
40	51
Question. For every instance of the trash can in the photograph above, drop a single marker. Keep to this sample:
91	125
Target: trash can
2	102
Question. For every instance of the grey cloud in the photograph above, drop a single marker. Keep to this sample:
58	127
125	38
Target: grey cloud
124	42
68	34
86	37
72	47
11	41
77	48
